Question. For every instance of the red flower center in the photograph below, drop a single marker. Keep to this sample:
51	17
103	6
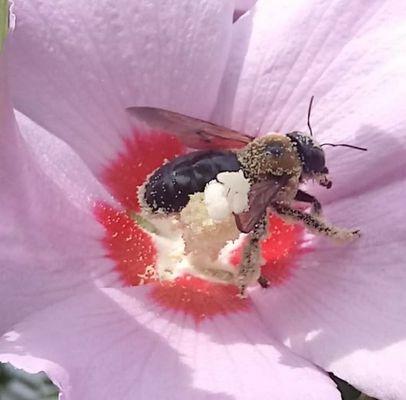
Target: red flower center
135	255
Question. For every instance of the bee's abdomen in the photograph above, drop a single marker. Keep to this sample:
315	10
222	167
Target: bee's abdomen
169	187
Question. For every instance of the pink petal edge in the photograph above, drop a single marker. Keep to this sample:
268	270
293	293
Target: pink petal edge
343	309
50	243
144	352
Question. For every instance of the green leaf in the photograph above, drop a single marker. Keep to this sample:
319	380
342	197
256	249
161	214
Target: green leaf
3	21
347	391
15	384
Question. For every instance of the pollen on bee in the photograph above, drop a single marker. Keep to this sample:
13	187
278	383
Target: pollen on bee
226	194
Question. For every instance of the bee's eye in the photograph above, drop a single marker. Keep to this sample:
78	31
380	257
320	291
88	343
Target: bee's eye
273	150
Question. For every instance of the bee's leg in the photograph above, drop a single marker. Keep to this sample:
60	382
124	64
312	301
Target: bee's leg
249	269
308	198
314	223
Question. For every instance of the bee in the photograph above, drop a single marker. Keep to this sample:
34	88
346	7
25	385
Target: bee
275	165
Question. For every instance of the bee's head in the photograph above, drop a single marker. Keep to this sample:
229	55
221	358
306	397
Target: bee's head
295	153
312	157
311	153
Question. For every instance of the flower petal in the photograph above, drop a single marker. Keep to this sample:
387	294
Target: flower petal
344	309
244	5
117	344
49	239
347	320
127	244
76	66
199	298
350	58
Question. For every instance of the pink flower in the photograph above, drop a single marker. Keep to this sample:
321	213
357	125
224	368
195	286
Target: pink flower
68	307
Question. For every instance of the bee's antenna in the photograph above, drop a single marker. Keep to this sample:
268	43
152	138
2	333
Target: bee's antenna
344	145
308	115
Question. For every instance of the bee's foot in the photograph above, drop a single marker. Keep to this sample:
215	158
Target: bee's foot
264	283
356	233
345	235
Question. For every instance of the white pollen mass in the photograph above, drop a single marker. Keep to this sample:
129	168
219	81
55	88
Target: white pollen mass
191	243
226	194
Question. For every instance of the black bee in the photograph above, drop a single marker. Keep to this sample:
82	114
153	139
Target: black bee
275	165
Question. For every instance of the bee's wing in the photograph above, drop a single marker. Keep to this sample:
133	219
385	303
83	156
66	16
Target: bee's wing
194	133
259	198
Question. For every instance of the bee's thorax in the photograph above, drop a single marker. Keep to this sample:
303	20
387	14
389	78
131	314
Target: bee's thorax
271	155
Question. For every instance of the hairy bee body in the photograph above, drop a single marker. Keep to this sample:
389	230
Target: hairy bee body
273	157
265	176
169	188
